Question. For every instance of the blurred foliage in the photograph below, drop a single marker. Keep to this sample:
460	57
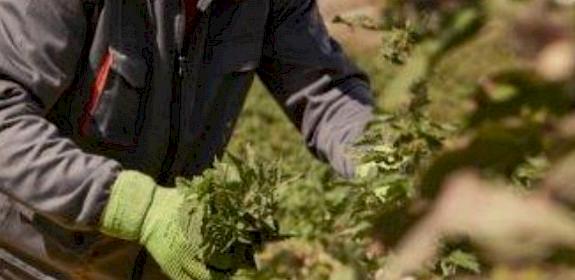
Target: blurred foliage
467	171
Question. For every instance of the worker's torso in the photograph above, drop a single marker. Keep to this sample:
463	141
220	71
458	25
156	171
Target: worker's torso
155	101
150	101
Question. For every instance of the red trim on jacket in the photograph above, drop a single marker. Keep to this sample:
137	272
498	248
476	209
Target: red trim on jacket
96	90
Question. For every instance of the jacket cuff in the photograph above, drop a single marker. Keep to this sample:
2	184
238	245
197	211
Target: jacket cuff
130	198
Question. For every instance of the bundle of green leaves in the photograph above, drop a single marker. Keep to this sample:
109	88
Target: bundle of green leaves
231	209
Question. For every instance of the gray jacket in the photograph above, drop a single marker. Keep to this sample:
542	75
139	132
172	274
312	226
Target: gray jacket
87	90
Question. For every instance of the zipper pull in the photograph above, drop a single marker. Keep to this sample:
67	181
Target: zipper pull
182	65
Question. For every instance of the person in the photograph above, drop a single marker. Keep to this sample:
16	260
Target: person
104	102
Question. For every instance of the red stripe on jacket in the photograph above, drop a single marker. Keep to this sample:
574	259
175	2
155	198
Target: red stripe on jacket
96	90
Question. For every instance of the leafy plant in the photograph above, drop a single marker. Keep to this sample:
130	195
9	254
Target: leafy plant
232	207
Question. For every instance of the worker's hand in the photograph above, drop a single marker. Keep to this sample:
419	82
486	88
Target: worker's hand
139	210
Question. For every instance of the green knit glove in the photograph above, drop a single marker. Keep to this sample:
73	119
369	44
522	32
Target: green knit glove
138	210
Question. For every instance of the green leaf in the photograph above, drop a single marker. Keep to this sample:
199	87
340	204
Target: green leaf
459	260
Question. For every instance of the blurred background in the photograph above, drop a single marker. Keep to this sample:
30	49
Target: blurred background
469	169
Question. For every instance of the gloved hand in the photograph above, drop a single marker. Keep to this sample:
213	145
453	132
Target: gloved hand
139	210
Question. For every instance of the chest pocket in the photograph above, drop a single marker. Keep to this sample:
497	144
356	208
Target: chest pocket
113	113
115	99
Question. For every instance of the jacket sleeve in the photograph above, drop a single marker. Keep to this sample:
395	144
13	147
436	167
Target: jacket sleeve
40	44
322	92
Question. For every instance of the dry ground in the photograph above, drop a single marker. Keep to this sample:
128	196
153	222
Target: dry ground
355	39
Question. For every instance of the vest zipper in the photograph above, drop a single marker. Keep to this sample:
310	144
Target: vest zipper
194	41
175	104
